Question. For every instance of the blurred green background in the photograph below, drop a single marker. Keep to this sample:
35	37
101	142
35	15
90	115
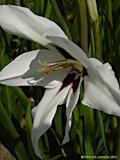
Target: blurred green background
93	133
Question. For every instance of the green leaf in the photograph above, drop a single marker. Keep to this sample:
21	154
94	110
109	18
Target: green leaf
88	114
58	120
82	23
5	119
101	125
24	100
28	118
60	18
21	152
10	99
48	10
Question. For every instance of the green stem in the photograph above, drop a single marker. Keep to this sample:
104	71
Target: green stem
60	18
62	150
22	96
100	119
93	13
96	31
87	112
82	23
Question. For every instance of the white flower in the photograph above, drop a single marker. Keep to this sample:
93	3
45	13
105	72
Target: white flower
60	69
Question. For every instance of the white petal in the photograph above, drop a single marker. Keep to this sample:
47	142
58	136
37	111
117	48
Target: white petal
95	62
21	21
102	89
41	108
72	49
71	103
26	68
44	113
11	74
106	76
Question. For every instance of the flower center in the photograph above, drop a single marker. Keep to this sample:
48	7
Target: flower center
47	68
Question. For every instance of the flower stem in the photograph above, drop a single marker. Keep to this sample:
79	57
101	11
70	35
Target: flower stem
93	13
62	150
82	23
97	39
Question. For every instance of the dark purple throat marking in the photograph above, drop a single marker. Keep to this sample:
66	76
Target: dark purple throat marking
68	80
71	79
75	84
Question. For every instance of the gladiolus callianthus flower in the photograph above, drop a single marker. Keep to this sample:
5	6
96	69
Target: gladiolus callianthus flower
60	68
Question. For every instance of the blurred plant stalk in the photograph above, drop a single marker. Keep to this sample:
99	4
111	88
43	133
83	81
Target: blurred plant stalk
93	13
82	23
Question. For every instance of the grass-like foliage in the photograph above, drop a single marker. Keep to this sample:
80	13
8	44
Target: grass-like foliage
93	133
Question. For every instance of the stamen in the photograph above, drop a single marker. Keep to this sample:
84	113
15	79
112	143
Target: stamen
47	68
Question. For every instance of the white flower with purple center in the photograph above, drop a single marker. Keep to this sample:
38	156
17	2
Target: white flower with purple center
60	69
